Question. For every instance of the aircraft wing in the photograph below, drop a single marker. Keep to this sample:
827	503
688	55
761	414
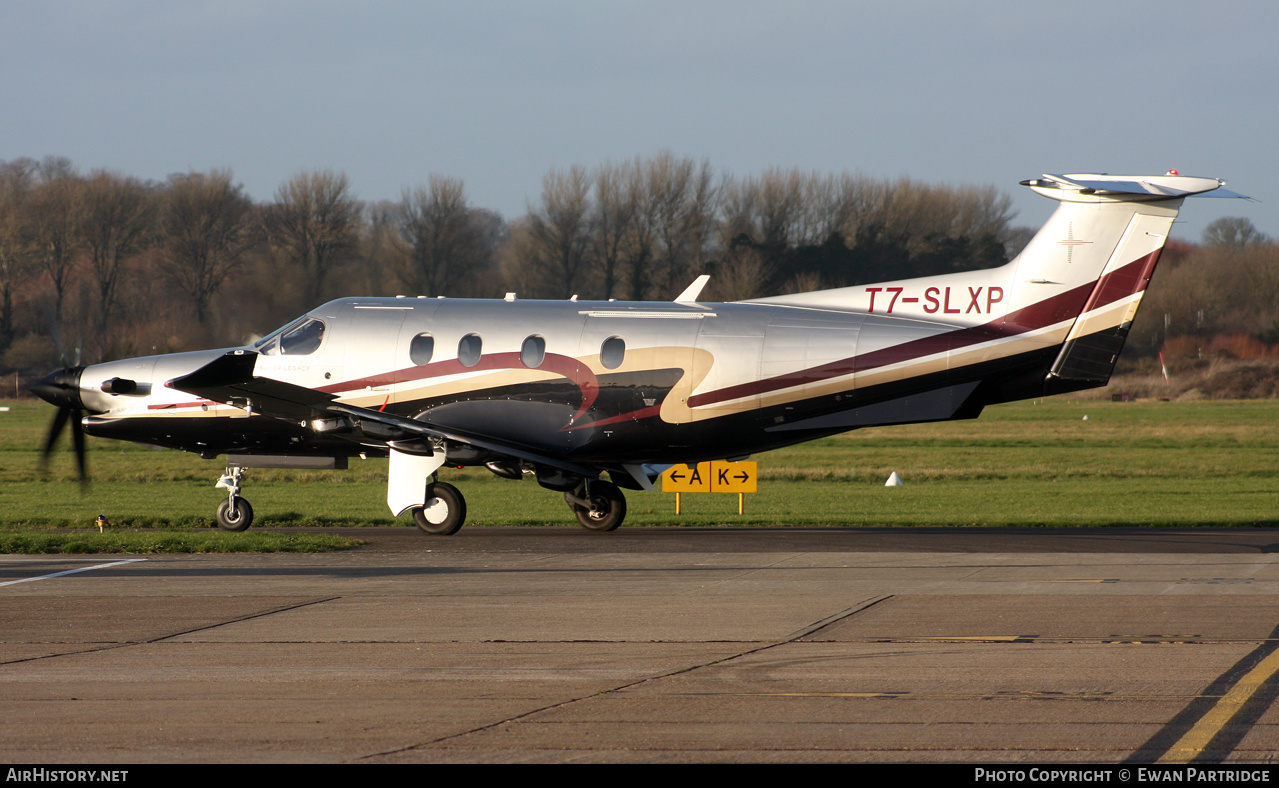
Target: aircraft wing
229	379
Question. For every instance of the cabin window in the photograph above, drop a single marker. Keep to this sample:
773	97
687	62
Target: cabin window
469	350
612	352
302	340
533	352
421	349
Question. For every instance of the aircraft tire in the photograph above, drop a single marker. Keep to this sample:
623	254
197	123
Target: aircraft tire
610	508
235	514
444	512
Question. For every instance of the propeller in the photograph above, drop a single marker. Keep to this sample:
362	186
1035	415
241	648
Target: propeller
62	389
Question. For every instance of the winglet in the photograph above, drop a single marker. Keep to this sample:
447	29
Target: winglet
694	290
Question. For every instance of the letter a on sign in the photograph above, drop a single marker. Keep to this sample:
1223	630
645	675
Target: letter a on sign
683	478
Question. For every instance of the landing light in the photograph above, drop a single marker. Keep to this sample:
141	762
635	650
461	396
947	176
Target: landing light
329	425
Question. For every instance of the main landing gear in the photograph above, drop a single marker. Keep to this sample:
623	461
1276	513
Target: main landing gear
597	504
444	512
234	514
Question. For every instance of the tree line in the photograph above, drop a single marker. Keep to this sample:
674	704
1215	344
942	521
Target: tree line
104	265
1215	299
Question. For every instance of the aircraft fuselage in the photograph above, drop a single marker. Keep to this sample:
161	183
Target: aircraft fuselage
594	382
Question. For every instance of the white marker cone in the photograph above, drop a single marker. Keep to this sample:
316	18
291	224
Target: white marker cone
893	480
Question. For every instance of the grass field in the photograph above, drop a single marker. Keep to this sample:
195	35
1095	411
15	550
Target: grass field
1207	463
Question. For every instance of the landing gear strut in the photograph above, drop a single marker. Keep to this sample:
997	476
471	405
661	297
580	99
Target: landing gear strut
234	514
598	505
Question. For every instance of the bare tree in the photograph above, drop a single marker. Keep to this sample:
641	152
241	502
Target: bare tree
641	235
559	231
1234	232
119	221
446	241
683	200
17	178
315	222
381	255
207	222
617	205
57	213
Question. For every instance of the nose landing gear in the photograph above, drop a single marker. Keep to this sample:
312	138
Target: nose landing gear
235	513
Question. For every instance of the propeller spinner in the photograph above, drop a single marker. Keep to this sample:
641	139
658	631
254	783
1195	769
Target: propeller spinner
62	389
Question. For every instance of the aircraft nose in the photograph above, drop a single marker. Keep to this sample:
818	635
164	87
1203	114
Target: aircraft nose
61	388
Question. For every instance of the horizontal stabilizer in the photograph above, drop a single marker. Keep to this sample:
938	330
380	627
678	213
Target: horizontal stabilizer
1153	187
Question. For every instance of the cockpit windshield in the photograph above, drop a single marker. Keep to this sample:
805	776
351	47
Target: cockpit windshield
299	338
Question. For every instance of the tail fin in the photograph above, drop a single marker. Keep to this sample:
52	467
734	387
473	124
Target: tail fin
1076	285
1093	261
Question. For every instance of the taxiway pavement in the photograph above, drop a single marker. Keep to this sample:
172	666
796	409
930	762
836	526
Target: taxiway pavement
653	645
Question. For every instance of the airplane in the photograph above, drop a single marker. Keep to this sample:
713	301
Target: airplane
571	391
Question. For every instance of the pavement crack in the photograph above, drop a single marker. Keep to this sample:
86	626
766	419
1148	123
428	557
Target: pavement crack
818	626
246	617
161	638
814	627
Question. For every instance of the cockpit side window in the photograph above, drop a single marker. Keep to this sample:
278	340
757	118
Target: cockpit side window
303	339
269	345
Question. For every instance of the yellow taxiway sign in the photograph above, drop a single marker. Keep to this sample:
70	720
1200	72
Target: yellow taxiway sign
719	476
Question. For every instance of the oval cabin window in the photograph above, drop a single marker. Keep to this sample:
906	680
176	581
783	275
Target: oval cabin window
421	349
612	352
469	350
533	352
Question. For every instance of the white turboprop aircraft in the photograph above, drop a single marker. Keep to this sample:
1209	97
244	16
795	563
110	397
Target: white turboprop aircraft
567	391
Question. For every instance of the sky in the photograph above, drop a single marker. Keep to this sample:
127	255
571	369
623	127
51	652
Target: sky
498	94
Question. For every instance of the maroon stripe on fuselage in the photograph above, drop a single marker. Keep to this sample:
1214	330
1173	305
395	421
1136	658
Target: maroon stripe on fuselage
172	405
565	366
635	415
1118	284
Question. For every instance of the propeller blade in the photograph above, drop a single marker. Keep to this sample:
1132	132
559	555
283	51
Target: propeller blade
77	440
55	429
62	388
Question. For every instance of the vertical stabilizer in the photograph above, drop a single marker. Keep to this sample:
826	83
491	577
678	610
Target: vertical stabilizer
1094	259
1075	287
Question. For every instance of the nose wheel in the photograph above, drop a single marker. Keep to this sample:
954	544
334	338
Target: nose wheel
235	513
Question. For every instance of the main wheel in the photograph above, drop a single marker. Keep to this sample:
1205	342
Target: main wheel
444	512
235	514
608	507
